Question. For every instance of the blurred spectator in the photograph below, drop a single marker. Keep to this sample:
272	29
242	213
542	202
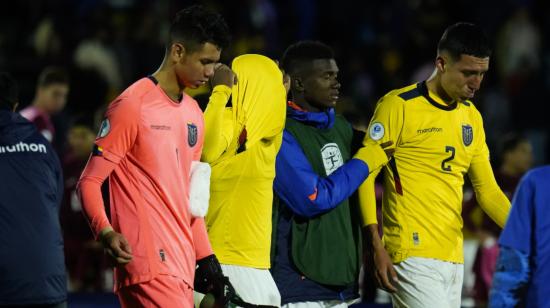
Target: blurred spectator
84	257
50	98
518	45
96	53
32	269
515	157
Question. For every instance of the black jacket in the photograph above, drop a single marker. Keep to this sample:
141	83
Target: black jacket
32	266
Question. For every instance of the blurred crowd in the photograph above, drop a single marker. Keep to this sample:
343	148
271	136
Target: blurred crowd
103	46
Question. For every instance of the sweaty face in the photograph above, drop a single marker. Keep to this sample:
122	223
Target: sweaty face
196	67
53	97
462	78
321	86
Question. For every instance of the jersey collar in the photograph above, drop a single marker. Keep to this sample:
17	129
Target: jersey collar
322	120
423	88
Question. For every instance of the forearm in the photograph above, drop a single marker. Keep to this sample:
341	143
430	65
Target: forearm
214	142
376	241
307	194
200	238
367	200
488	194
89	191
495	204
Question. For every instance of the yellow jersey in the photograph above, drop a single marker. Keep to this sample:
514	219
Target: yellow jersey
241	144
436	145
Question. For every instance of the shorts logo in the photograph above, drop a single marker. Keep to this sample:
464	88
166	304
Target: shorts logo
467	134
104	129
376	131
332	158
192	133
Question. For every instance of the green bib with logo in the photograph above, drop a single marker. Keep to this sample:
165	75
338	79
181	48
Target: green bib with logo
327	248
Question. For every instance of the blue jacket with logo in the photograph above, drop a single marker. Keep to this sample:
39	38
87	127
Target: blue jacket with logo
304	193
32	266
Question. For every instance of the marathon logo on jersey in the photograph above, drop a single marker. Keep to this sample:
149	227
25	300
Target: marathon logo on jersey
467	134
192	134
104	129
23	147
332	158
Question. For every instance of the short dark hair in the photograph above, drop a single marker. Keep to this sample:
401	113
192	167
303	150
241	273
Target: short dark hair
196	25
51	75
9	91
464	39
304	52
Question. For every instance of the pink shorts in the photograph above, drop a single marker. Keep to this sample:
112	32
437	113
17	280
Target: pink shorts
163	291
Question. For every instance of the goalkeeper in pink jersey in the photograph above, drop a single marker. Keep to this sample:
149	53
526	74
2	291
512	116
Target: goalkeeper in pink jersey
148	140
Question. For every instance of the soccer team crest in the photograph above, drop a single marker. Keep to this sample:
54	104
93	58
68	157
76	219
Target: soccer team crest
192	133
467	134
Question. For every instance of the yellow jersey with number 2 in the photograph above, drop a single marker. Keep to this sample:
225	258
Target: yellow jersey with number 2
436	145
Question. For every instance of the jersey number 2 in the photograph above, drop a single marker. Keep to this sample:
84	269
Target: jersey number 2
444	165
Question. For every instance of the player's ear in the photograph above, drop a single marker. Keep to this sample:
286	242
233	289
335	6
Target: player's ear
297	84
177	52
440	63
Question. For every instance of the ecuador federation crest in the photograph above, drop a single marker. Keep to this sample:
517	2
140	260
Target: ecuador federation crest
192	133
467	134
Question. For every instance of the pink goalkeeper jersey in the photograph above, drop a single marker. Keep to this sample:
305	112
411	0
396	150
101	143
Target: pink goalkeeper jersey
152	140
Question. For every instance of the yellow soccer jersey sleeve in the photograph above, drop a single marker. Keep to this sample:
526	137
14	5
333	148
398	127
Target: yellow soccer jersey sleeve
218	124
435	147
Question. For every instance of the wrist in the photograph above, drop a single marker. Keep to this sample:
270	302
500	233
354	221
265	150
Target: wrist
101	235
373	233
222	89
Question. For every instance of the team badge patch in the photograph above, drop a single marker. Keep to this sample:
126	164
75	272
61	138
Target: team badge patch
192	133
376	131
332	158
467	134
104	129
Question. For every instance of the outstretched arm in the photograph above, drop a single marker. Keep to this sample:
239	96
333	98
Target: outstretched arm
307	193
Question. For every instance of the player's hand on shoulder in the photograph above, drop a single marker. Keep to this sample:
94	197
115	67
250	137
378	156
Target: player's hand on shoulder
117	247
374	154
223	75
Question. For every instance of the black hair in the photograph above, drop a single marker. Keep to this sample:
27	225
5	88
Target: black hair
195	25
51	75
9	91
464	39
304	52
